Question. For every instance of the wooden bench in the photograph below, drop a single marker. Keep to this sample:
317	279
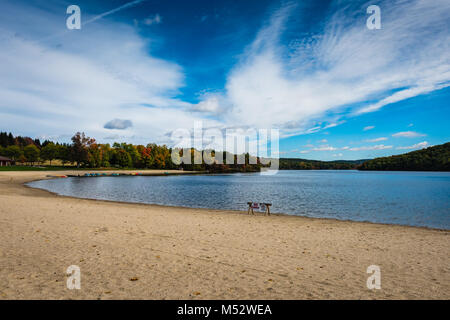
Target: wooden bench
250	208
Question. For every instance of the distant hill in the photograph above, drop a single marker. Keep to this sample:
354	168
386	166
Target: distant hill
305	164
436	158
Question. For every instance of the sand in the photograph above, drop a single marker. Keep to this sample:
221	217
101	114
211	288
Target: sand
132	251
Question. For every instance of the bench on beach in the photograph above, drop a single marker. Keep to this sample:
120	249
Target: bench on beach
261	206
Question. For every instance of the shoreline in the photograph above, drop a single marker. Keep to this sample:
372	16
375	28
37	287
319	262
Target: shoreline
24	184
188	253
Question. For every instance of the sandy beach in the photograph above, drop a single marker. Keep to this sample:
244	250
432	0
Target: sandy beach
133	251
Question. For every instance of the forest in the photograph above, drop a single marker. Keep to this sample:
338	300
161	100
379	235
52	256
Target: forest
305	164
85	152
435	158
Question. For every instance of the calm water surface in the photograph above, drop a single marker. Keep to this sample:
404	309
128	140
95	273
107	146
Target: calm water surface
408	198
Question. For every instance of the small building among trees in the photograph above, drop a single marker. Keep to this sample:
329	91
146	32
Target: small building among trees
5	161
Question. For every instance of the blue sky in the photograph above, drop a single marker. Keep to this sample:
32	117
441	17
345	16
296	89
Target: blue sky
139	70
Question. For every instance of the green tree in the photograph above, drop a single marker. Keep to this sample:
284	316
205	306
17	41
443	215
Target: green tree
64	153
31	153
94	155
3	139
49	152
22	159
13	152
106	154
123	158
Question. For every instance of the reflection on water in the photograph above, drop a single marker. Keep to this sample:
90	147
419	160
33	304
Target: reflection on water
409	198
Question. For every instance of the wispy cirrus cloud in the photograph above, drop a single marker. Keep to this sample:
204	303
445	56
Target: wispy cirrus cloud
343	66
325	148
377	147
376	139
368	128
334	124
347	148
408	134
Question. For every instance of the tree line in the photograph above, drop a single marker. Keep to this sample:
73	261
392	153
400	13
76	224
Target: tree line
88	153
305	164
436	158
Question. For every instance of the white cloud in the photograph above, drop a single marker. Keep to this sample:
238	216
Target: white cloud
407	134
209	104
156	19
331	125
325	148
376	139
368	128
419	145
345	65
405	94
81	81
377	147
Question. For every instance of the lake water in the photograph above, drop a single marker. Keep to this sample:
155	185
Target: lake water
407	198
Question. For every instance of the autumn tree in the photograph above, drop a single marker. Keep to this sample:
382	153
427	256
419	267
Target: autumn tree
106	154
79	148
